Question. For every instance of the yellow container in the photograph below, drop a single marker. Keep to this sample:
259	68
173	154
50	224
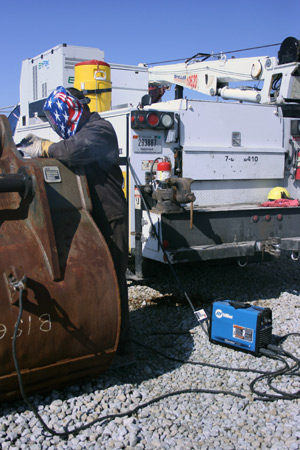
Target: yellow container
93	79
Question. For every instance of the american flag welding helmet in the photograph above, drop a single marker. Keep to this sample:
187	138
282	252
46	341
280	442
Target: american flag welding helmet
63	112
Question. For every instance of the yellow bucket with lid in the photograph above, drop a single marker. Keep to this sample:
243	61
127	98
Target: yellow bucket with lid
93	79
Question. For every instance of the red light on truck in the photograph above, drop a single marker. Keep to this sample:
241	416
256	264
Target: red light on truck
142	119
153	119
255	219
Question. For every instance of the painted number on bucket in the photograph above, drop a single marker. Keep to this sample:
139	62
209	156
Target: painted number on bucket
45	326
3	330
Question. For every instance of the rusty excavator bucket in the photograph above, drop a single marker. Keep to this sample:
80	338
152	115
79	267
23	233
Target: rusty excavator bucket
71	308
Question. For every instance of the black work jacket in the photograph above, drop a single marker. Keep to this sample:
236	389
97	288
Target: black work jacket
95	146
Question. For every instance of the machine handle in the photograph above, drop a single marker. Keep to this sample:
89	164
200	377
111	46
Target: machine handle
240	305
19	182
100	75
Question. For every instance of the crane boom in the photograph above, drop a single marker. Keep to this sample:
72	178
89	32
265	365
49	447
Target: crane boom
280	81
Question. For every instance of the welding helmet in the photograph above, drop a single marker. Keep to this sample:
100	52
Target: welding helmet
63	112
278	192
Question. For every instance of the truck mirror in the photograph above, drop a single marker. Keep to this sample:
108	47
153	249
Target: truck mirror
146	100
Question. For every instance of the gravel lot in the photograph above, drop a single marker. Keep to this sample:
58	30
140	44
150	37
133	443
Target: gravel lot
162	320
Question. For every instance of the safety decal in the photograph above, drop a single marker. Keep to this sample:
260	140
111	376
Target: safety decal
243	333
52	174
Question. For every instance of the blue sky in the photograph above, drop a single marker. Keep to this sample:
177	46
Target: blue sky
133	31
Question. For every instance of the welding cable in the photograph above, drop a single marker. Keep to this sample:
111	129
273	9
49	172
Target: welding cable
283	352
292	372
284	394
264	395
202	363
268	375
287	354
108	417
283	338
287	370
178	281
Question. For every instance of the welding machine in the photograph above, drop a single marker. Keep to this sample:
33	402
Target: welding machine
241	326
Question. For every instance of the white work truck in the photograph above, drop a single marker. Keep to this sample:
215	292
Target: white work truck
198	171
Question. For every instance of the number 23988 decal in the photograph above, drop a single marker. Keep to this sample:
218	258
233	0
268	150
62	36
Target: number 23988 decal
147	142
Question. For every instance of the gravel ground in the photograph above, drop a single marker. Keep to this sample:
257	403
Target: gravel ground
199	420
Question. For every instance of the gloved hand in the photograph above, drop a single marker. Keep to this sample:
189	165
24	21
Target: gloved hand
34	146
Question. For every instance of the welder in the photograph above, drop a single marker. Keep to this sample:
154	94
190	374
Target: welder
91	141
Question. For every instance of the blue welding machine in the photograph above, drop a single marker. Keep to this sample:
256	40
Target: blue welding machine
241	326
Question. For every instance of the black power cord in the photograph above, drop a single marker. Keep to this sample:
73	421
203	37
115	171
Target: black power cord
276	352
198	363
283	338
272	352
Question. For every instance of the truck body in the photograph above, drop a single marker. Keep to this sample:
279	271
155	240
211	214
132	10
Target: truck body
223	156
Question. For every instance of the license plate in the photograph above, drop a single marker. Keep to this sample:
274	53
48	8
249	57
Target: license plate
146	144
